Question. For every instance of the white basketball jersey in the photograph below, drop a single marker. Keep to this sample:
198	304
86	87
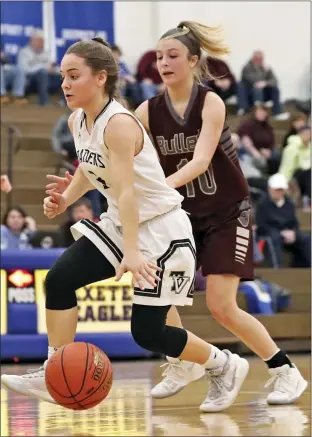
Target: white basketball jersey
154	196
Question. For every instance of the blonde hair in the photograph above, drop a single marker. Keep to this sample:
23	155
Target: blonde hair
210	38
196	37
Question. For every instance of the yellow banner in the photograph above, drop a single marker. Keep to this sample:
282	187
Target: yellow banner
103	306
4	302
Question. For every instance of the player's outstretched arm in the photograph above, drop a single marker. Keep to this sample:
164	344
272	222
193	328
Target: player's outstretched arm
213	115
122	135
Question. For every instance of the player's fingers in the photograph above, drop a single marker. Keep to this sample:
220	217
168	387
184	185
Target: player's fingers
68	176
120	272
53	186
152	273
149	274
153	266
149	278
138	280
52	177
50	205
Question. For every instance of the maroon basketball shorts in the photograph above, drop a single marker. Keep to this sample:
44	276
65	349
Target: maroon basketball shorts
224	243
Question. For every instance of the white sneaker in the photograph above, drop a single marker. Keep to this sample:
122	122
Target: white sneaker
177	375
225	383
34	378
288	385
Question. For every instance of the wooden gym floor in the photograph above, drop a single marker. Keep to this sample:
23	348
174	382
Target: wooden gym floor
130	411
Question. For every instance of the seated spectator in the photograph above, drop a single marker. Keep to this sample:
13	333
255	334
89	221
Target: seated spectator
42	76
259	85
296	160
276	219
148	76
297	121
224	83
82	209
63	141
127	82
17	229
12	77
46	239
252	163
256	131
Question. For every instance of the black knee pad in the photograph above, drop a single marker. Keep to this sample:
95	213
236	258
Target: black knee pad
59	294
149	330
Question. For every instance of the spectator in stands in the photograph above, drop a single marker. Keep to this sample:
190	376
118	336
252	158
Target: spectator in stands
276	219
252	163
259	85
224	83
127	82
82	209
63	142
12	77
17	229
256	131
42	75
297	121
148	76
296	160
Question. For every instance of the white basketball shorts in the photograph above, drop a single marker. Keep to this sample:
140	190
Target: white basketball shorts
165	240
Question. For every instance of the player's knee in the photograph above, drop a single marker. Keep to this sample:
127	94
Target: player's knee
150	331
148	337
221	311
59	295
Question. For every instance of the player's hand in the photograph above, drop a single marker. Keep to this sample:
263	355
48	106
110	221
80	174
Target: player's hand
54	204
6	186
140	268
59	184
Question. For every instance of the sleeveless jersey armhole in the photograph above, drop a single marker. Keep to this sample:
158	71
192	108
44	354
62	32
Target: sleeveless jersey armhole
138	123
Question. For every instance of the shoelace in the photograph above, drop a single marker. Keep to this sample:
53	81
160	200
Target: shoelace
172	370
279	381
171	373
215	386
31	373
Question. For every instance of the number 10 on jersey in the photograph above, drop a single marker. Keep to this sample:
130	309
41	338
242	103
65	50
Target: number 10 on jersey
206	181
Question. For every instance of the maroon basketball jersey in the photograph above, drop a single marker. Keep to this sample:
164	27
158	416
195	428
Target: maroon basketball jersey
223	183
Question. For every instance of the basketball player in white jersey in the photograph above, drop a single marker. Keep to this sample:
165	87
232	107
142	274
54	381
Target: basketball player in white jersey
144	231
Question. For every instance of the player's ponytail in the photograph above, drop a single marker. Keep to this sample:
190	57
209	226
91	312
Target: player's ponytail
210	38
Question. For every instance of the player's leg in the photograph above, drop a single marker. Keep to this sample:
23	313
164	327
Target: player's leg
177	259
81	264
232	259
221	301
226	377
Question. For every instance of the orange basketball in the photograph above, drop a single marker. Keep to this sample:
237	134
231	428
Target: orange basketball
79	376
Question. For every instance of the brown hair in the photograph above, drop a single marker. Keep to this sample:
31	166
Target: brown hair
196	37
98	56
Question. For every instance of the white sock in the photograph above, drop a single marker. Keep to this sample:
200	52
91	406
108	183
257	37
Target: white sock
51	351
217	359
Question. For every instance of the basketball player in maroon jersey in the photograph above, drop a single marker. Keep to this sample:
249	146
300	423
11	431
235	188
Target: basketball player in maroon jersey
190	131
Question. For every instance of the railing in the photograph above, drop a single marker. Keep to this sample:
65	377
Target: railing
13	145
